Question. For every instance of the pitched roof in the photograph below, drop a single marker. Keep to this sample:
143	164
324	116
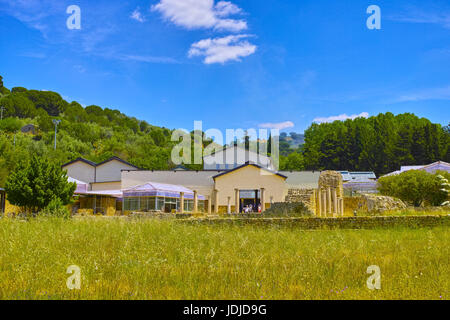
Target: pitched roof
249	164
438	165
235	146
357	176
93	164
160	189
117	159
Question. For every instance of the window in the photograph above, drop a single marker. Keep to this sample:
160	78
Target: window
160	203
201	205
171	204
188	205
131	204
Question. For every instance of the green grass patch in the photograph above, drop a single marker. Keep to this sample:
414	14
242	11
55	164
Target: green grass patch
154	259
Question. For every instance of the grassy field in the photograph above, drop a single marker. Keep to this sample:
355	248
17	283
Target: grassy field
152	259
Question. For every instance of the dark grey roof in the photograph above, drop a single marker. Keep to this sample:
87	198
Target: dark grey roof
91	163
117	159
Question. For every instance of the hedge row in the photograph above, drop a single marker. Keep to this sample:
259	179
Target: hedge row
332	223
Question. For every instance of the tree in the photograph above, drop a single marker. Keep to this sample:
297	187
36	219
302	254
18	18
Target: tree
3	90
10	125
293	162
17	105
417	187
35	183
381	143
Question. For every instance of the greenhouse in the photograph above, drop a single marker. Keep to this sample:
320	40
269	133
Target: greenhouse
161	197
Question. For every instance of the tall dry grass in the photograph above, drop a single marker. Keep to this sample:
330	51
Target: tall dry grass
152	259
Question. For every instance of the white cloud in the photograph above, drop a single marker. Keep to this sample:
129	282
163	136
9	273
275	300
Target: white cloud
279	125
221	50
341	117
137	15
197	14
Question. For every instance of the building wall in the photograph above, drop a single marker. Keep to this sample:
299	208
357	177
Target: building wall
231	158
11	210
201	181
302	179
111	171
101	186
81	171
250	178
86	206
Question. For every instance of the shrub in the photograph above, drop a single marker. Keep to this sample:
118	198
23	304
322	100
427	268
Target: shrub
56	208
34	184
288	209
416	187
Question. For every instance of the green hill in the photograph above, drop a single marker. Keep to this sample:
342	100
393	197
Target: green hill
93	132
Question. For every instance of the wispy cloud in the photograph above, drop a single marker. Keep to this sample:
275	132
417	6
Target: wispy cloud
341	117
137	15
34	55
221	50
79	68
147	59
426	94
278	125
415	15
201	14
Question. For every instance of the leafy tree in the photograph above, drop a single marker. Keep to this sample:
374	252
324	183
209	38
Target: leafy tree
18	90
293	162
382	143
35	183
10	125
416	187
3	90
17	105
47	100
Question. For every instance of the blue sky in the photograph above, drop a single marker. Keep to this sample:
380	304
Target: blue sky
234	64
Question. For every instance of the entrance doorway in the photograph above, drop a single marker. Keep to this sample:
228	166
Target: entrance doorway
249	199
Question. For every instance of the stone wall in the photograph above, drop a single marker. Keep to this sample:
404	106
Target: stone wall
372	203
376	222
302	195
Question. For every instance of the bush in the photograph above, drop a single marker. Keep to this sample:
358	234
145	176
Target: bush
56	208
10	125
34	184
288	209
415	187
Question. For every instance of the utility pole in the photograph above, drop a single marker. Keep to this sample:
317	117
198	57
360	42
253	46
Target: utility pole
56	122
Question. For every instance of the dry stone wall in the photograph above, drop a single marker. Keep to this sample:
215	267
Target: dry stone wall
305	196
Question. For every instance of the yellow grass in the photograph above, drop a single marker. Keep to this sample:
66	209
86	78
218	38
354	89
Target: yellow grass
152	259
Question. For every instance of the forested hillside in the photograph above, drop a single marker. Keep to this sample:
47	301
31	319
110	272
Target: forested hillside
381	144
92	132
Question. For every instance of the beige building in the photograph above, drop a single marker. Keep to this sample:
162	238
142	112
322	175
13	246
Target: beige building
214	191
